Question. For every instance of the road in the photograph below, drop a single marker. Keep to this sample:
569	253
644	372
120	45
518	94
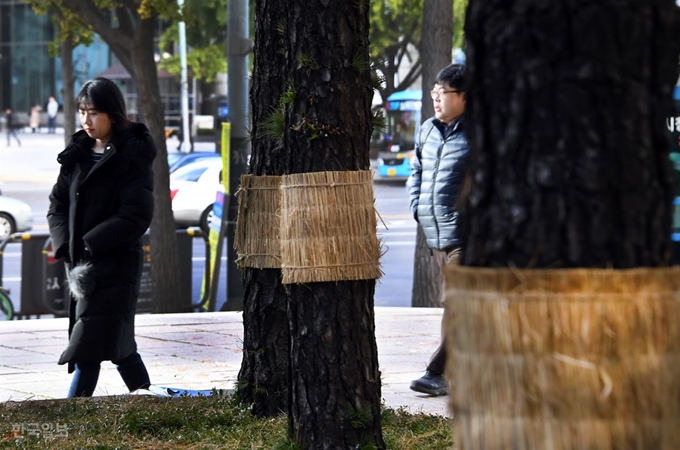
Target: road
28	172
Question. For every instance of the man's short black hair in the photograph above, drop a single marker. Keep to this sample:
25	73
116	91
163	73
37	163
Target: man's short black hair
453	76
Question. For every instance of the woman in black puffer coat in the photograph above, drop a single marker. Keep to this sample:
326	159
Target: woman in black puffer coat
99	208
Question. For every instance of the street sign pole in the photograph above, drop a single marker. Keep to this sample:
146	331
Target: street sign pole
238	47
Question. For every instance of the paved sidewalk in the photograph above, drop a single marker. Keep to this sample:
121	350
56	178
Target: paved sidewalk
203	351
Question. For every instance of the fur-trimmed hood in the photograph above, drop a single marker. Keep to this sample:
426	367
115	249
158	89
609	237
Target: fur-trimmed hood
133	144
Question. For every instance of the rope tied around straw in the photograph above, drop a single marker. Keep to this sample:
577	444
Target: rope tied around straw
325	226
329	227
257	226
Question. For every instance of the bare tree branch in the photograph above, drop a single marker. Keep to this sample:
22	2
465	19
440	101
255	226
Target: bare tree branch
126	23
89	13
131	4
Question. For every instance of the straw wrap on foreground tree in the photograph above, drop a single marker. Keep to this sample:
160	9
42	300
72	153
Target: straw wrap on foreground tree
316	227
328	227
257	227
564	359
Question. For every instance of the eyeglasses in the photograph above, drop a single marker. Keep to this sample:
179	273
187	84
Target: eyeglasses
436	95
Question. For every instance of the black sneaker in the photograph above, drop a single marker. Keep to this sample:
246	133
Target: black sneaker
431	384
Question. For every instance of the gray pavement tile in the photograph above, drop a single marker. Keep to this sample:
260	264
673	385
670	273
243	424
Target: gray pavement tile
31	342
46	367
27	358
219	328
202	351
158	344
29	378
8	352
188	337
28	326
8	370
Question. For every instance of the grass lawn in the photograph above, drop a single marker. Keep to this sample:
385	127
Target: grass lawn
213	422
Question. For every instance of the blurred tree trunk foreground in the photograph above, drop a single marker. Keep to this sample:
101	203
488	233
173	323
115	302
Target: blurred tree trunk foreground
312	75
569	149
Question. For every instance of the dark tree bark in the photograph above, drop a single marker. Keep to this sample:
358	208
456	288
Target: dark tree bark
131	38
263	378
67	75
69	95
335	381
435	46
428	280
334	390
566	122
435	52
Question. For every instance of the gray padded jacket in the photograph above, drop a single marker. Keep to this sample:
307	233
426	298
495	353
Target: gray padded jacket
438	171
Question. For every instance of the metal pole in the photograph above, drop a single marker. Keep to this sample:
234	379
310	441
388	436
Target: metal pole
238	47
186	141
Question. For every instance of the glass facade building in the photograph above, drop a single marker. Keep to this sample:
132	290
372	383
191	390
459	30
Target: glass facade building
27	72
29	75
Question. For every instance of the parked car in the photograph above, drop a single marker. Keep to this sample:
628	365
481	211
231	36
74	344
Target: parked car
177	159
193	189
15	216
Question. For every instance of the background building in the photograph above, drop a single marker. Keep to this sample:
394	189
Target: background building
27	72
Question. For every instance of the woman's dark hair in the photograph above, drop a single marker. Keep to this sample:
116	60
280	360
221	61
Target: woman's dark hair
104	96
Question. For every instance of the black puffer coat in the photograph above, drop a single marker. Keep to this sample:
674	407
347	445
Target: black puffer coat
438	172
97	215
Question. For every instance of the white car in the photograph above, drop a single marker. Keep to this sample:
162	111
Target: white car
15	216
193	189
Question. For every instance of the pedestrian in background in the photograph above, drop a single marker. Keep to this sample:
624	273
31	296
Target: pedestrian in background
34	119
52	110
99	209
438	173
10	126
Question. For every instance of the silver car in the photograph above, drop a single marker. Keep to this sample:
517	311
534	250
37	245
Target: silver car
15	216
193	189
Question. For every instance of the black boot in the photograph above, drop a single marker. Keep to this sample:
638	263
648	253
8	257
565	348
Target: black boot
431	383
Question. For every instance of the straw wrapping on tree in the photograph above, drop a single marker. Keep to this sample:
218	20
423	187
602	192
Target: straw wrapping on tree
328	227
257	225
564	359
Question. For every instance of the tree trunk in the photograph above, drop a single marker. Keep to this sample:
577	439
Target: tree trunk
315	56
566	122
263	378
335	381
435	52
435	46
164	252
428	281
69	95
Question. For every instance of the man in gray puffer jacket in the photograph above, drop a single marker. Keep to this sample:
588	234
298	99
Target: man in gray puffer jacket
438	172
